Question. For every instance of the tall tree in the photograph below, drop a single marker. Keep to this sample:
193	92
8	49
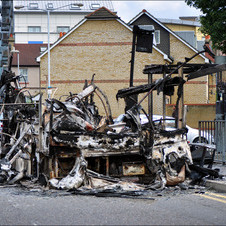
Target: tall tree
213	20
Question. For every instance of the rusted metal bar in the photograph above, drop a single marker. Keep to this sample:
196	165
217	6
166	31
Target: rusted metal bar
150	99
40	130
51	117
164	103
105	109
207	71
107	165
16	104
132	59
181	104
108	104
56	167
172	72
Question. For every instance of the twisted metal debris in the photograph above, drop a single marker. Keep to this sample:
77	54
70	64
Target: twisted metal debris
70	143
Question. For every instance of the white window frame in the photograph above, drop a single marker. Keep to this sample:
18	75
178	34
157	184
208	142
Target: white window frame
157	37
67	28
24	78
95	6
33	6
42	49
49	5
37	29
74	6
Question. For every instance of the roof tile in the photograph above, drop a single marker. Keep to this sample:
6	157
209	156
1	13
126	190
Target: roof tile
63	5
28	54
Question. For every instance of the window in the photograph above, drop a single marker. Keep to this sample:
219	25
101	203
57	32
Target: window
43	48
34	29
157	37
23	75
74	6
62	29
33	6
49	6
95	6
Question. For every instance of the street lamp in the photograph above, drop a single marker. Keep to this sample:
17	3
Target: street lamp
48	10
18	59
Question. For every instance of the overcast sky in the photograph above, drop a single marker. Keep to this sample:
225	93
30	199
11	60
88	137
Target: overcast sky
158	8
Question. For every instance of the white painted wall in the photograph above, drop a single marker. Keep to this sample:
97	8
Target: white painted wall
23	20
33	77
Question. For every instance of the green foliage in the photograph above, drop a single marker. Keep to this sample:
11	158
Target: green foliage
213	20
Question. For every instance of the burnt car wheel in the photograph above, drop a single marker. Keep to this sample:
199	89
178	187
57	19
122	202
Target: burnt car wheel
196	140
203	140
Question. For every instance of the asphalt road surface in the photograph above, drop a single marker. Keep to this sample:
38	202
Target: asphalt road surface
188	208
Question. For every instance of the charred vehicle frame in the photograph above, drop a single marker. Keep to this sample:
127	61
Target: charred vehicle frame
70	145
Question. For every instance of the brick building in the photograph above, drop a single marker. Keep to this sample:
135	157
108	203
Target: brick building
188	28
200	94
101	43
28	66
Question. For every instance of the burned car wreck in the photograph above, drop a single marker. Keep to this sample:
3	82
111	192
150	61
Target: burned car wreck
71	146
67	144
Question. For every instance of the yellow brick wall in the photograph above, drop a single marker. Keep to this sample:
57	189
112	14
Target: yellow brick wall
195	90
71	65
212	88
93	31
199	34
176	27
196	113
96	47
179	27
179	51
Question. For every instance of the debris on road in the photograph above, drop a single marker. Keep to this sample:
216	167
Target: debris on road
67	144
69	138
